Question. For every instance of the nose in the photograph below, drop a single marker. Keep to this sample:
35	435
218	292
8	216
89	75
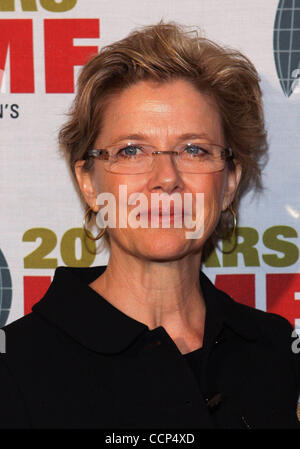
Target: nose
165	175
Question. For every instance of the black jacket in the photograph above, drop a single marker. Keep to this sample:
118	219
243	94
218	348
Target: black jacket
78	362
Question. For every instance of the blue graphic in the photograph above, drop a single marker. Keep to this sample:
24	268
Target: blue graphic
5	290
286	40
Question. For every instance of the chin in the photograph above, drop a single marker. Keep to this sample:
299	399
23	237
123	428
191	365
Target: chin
163	244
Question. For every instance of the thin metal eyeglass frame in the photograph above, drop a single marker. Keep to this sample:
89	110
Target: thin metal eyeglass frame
103	154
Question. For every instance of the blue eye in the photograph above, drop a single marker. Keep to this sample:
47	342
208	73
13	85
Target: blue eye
194	149
129	150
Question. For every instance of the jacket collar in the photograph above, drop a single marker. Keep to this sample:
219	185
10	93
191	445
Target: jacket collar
224	312
87	317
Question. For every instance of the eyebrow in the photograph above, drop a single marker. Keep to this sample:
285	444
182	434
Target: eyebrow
145	137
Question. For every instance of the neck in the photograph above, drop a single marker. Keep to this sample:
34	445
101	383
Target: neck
157	293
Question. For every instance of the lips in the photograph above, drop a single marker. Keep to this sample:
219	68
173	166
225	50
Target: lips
159	212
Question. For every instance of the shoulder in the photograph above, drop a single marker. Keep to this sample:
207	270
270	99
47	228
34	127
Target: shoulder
271	326
268	329
247	320
13	412
18	339
32	349
31	344
27	333
272	334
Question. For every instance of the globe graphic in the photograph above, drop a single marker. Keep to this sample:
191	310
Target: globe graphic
286	41
5	290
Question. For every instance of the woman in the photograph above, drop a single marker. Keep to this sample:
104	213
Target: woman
148	341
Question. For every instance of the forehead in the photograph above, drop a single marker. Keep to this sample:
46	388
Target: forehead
161	110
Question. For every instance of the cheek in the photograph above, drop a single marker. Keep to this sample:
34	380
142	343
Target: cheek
102	182
120	186
109	182
211	185
214	194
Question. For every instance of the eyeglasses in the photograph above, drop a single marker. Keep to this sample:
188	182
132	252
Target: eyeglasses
189	158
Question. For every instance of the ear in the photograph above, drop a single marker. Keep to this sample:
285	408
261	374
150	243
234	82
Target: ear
232	182
86	185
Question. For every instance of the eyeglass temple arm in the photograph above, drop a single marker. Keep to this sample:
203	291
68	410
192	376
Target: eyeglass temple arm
104	154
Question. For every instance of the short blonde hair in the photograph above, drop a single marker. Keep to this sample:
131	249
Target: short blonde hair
161	53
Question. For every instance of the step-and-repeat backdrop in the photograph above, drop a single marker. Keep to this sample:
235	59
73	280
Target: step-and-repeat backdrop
43	44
